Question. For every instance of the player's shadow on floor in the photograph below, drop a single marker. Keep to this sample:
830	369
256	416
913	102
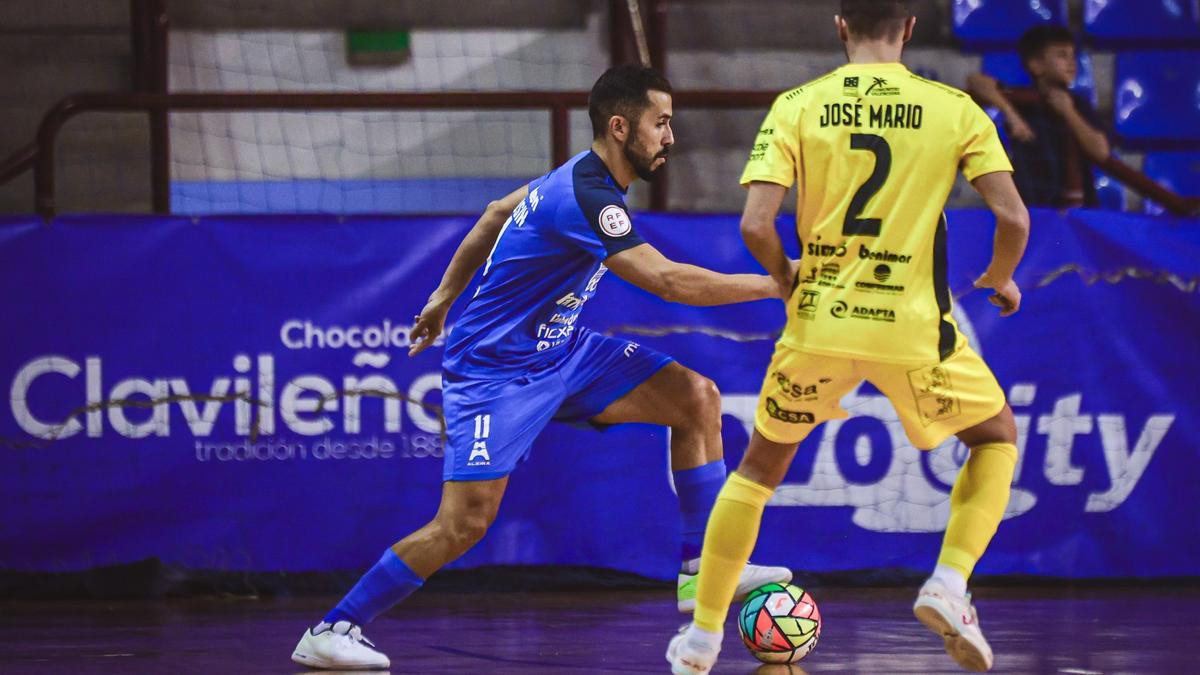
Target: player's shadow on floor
355	672
779	669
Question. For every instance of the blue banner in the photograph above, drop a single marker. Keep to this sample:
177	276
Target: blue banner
234	394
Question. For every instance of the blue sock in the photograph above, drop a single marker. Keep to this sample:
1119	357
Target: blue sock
697	489
385	584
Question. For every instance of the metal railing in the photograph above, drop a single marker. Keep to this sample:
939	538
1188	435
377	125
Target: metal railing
40	155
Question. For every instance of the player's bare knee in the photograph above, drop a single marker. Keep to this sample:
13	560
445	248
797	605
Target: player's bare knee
766	462
999	429
466	529
702	402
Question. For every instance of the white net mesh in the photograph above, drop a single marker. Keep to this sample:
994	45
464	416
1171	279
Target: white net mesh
424	161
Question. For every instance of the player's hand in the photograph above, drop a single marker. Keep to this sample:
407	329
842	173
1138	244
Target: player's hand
1007	296
1019	129
787	285
427	325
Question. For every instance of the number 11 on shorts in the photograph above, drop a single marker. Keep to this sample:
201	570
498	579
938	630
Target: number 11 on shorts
479	450
483	426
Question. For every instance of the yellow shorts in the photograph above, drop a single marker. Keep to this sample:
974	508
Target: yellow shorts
934	402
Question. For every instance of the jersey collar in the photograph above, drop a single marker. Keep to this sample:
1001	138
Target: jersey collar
885	65
593	157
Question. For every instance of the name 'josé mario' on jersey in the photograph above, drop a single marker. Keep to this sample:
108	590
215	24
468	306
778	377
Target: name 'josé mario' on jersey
874	149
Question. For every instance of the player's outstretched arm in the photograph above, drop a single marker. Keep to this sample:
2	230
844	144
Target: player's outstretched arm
1012	233
645	267
758	231
470	256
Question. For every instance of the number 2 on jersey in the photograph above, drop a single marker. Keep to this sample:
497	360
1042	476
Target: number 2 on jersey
868	227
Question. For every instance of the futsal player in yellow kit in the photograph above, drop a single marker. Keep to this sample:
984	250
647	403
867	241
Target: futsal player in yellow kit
874	151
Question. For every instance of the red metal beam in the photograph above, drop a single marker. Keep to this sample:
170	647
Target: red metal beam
656	27
148	38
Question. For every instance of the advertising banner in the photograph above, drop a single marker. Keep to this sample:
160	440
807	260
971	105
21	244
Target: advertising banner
235	394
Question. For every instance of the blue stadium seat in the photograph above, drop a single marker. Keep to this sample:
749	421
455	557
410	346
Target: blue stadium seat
1109	192
1156	96
1144	22
1179	171
981	22
1006	67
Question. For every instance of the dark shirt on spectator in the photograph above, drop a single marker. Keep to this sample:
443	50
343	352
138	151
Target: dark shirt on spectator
1042	169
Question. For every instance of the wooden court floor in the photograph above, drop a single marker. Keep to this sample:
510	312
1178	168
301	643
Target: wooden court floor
1033	630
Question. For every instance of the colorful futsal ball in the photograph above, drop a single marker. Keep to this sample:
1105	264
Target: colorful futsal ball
779	623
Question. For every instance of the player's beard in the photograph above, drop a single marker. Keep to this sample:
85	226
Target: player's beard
643	164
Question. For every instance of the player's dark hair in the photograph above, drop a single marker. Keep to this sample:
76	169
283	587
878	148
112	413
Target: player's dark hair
1038	39
875	19
623	90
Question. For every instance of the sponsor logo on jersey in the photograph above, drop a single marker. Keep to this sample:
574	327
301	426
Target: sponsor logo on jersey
760	147
934	393
789	416
886	256
869	287
571	301
614	221
873	313
806	308
559	327
850	86
879	87
841	310
797	392
824	275
881	273
826	250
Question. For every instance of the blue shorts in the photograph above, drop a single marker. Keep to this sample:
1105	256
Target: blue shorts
491	424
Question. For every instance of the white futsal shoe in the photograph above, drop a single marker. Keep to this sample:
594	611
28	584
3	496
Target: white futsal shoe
691	654
338	647
752	577
954	618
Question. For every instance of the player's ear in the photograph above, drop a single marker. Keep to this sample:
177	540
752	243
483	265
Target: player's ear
909	24
840	24
618	126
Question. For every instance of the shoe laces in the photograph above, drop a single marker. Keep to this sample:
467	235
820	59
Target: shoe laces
356	634
352	632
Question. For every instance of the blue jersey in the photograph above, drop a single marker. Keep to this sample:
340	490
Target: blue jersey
547	262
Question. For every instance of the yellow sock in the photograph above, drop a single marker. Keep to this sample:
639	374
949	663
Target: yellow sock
728	540
977	505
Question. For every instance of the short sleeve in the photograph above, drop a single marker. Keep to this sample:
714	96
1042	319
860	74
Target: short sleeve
982	151
605	227
776	150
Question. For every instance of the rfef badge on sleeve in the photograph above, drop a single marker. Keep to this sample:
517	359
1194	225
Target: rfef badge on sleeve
614	221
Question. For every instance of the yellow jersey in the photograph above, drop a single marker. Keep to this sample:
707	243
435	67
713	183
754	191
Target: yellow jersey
875	149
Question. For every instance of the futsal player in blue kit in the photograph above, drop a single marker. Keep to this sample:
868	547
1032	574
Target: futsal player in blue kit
517	358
